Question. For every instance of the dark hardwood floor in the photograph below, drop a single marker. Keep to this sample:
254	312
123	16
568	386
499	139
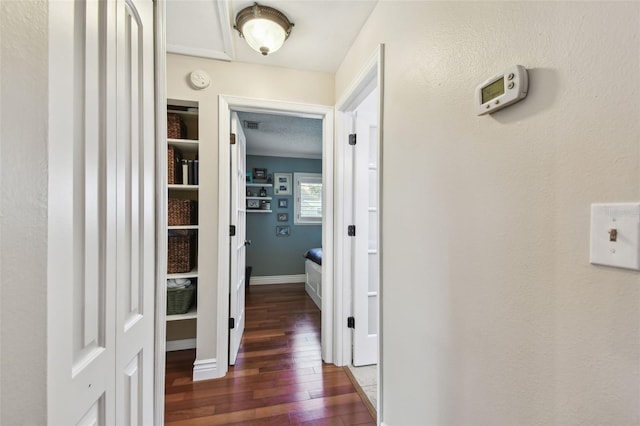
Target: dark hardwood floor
279	378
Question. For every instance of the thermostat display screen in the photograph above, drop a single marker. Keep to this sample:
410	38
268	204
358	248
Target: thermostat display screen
493	90
501	90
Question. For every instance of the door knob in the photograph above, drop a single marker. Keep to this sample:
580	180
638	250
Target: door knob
247	242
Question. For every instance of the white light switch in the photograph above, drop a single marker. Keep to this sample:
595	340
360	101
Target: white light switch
615	235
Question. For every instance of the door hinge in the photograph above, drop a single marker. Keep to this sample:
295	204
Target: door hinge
232	323
352	139
351	230
233	138
351	322
232	230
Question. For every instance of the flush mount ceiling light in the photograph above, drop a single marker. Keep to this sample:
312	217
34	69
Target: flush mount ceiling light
264	28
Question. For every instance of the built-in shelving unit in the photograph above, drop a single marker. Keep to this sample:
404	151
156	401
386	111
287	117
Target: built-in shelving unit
184	182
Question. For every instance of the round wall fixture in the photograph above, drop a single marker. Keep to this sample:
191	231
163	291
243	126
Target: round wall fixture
199	79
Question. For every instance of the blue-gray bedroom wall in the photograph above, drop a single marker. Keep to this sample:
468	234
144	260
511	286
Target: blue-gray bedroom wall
268	254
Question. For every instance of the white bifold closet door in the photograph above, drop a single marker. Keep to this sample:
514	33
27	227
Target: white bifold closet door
101	254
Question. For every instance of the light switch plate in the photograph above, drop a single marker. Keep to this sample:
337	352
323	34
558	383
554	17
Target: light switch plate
622	220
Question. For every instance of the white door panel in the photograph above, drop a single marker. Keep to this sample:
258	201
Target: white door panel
81	296
238	247
365	247
101	214
135	213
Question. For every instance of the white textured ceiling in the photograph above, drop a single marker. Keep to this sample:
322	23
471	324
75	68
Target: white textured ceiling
323	31
282	135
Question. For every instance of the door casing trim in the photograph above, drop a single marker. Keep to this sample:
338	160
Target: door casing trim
370	77
161	209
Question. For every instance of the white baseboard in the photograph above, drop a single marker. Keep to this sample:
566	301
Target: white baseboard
180	345
278	279
205	369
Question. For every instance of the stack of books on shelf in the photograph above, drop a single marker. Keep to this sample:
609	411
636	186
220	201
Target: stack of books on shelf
182	171
188	172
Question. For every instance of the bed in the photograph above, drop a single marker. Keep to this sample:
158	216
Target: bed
313	275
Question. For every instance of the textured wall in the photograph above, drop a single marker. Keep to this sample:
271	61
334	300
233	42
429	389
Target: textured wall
492	312
268	254
23	211
236	79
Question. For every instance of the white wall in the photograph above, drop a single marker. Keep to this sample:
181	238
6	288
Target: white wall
23	211
492	313
236	79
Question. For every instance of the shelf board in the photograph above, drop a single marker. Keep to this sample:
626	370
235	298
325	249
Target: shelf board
192	314
181	104
258	198
183	187
184	145
192	274
182	227
179	111
258	185
258	211
172	141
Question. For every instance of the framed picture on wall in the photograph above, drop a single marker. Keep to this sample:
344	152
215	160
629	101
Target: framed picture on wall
283	203
283	217
283	231
282	183
259	173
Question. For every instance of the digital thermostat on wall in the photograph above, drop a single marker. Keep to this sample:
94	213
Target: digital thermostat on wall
504	89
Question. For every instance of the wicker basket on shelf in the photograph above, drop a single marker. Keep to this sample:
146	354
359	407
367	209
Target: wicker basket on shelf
171	165
182	212
176	128
179	300
181	253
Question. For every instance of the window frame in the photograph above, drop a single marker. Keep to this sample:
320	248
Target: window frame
298	179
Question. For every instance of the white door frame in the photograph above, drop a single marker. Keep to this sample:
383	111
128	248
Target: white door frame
161	208
371	75
326	113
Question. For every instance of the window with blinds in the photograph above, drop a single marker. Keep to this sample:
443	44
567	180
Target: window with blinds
307	195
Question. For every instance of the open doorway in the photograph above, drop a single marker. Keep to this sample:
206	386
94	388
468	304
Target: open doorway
282	225
325	115
276	207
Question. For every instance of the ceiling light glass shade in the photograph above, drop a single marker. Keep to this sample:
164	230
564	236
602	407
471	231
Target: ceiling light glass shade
264	28
264	36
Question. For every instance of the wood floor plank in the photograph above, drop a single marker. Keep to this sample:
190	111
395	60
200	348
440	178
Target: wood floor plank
279	377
